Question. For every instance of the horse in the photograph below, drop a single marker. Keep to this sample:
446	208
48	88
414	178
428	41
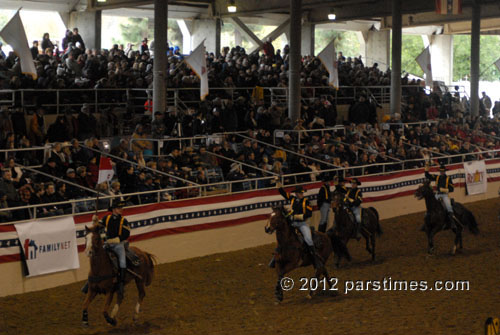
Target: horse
102	279
345	225
436	215
291	252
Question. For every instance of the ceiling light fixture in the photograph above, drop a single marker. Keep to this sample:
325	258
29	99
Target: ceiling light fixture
231	7
332	16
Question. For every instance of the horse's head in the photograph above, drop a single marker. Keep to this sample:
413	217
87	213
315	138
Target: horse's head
93	240
423	189
337	200
276	219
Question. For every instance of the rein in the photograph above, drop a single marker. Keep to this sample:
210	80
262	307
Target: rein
98	279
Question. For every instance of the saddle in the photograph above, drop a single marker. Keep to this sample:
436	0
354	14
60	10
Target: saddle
132	259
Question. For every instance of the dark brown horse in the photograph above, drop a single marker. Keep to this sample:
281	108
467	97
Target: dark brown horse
436	217
102	278
345	225
291	252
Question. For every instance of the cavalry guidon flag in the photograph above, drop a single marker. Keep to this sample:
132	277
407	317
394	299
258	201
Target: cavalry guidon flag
14	35
106	172
449	7
424	60
497	64
329	59
198	63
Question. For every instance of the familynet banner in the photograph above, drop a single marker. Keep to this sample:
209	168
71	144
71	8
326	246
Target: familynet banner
48	245
475	177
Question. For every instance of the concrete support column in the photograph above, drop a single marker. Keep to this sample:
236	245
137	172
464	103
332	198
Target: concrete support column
441	57
377	48
207	30
238	39
307	39
294	70
186	37
397	36
160	55
89	27
474	57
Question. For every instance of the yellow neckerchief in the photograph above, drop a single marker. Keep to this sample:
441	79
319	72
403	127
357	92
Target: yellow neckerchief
121	224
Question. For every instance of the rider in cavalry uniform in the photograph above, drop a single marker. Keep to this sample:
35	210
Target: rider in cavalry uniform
117	231
339	183
301	210
444	185
353	200
324	202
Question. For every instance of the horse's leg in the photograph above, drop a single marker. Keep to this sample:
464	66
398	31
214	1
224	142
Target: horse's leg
372	240
142	293
88	299
458	240
430	240
110	319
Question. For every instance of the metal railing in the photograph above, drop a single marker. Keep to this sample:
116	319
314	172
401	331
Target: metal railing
197	191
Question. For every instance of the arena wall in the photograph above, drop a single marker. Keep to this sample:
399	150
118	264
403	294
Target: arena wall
180	244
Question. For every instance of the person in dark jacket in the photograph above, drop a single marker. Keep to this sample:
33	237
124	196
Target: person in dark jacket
353	200
444	185
324	202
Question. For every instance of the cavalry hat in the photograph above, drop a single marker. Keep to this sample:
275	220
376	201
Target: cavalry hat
442	167
299	189
355	180
117	204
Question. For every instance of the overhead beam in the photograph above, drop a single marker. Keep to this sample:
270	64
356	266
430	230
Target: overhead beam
273	35
246	31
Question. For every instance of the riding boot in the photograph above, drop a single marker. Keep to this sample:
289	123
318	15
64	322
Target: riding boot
358	231
121	282
451	218
318	263
272	263
322	227
85	288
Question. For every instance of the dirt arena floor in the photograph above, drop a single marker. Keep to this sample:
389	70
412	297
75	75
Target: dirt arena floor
233	293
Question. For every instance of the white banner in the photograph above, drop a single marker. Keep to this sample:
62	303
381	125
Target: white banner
198	63
424	60
329	59
49	245
476	177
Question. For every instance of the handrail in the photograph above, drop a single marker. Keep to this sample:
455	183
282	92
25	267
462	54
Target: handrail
168	190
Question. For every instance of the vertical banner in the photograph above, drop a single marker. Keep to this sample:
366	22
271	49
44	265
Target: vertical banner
329	59
424	61
49	245
198	63
476	178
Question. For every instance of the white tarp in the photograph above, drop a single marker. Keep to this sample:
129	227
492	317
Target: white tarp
49	245
476	178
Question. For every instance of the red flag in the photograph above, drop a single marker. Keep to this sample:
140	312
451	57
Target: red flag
105	170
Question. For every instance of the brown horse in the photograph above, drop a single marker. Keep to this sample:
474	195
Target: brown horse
102	278
291	252
345	226
436	216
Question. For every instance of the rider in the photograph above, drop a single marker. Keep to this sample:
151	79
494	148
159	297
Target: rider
324	202
301	210
353	200
117	231
444	185
339	183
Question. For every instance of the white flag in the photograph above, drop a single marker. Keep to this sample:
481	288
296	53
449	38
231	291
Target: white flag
497	64
329	59
13	34
198	63
424	60
105	170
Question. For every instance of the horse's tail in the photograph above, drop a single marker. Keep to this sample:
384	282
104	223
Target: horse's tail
151	261
377	226
470	221
338	246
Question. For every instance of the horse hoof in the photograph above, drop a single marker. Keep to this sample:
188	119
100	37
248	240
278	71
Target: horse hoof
85	324
309	296
111	321
454	250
